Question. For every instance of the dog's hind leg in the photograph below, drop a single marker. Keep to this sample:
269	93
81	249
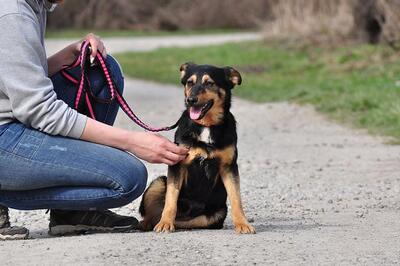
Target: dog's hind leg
152	203
214	221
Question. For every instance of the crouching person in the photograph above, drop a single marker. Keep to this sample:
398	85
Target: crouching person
53	157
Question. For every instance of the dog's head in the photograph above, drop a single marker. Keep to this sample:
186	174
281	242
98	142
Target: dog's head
208	91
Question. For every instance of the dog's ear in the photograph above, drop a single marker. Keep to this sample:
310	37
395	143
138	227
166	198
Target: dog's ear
233	76
184	70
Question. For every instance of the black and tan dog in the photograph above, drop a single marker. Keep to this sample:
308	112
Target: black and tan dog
195	191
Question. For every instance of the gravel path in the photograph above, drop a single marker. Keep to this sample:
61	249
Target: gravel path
123	44
317	193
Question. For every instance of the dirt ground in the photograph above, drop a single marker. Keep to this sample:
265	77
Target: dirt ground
317	193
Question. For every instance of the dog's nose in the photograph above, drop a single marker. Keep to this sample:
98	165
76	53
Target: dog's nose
192	100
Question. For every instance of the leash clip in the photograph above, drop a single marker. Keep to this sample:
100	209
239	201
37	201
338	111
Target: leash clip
91	58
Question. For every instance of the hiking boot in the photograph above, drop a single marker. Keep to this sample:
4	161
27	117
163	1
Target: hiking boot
81	222
8	232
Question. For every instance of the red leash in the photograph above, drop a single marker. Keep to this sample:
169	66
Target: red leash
85	96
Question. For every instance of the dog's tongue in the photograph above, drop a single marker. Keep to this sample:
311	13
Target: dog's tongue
195	113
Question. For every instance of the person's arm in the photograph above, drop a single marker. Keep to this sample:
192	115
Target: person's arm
147	146
64	57
68	55
24	80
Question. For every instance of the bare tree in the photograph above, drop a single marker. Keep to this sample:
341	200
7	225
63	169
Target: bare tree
371	21
377	21
160	14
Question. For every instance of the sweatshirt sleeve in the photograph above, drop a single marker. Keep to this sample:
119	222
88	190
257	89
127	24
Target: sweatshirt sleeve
24	79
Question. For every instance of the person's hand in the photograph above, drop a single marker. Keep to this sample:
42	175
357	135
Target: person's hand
96	44
154	148
70	53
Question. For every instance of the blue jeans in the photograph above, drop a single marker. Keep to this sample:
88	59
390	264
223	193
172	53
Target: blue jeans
40	171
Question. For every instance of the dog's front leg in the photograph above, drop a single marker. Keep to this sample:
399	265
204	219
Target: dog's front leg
176	175
230	178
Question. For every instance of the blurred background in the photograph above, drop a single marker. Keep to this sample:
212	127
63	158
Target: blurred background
341	56
372	21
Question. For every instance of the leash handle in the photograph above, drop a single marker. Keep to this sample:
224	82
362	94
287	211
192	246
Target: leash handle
85	95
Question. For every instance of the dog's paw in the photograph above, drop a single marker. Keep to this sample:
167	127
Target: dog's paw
244	228
164	227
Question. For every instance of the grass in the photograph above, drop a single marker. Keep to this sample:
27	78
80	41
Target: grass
357	84
76	34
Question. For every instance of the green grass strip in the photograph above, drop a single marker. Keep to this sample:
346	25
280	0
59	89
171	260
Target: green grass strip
358	84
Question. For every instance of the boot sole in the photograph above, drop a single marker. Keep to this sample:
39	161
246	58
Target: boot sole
14	237
62	230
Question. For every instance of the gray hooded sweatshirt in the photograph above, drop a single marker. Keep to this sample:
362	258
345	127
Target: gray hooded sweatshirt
26	92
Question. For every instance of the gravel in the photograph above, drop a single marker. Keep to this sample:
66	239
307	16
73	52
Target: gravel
316	192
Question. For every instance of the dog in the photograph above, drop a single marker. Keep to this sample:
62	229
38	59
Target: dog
194	193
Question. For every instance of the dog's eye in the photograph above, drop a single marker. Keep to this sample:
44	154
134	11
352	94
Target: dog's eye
209	83
189	82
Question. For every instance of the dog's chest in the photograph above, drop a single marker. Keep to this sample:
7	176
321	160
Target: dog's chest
205	136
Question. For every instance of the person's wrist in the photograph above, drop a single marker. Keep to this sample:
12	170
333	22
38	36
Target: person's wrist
75	49
130	139
70	54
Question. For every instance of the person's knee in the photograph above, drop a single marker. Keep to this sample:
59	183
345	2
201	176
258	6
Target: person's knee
141	174
116	72
133	181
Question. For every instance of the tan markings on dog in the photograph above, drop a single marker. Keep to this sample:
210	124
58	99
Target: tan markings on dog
188	88
235	77
183	69
225	155
174	184
201	221
232	187
235	80
215	115
192	78
153	201
193	153
206	78
187	91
